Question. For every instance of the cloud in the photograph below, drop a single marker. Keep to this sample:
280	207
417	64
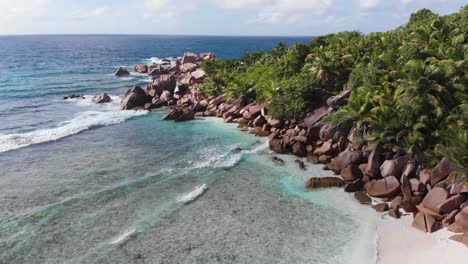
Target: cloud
167	10
277	11
370	4
22	8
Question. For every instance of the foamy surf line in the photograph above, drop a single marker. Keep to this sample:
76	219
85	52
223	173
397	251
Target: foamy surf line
83	121
122	237
193	195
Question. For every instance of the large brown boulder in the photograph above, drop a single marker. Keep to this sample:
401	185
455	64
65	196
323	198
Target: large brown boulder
426	223
393	167
188	67
167	97
315	116
351	173
156	69
442	170
103	98
189	57
461	219
409	204
199	74
181	115
325	149
435	198
373	166
362	197
133	98
329	130
218	100
324	182
259	121
187	115
451	204
299	149
141	68
166	82
344	159
121	72
383	188
277	145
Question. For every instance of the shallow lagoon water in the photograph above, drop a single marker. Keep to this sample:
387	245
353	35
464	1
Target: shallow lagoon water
111	195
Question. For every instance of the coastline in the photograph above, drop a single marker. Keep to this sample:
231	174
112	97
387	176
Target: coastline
347	161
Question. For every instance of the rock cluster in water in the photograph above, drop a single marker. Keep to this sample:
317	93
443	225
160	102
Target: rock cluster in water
436	197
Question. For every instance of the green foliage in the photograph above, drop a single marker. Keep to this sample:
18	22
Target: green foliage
408	85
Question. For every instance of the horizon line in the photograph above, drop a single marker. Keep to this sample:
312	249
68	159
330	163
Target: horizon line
168	35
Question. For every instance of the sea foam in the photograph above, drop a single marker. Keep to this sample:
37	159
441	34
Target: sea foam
193	195
100	115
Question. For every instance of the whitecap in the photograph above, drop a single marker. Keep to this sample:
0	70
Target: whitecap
193	195
123	236
96	115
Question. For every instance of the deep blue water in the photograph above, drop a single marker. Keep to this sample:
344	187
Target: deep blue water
87	183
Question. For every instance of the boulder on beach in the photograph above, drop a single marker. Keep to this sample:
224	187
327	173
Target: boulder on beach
140	68
133	98
344	159
324	182
102	98
393	167
435	198
351	173
384	188
373	166
362	197
461	219
121	71
441	171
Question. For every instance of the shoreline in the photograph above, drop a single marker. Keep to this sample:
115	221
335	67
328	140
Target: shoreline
352	163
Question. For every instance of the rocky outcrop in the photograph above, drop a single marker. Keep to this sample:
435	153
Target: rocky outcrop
121	72
103	98
189	57
135	97
140	68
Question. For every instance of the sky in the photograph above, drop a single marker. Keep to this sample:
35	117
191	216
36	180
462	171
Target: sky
211	17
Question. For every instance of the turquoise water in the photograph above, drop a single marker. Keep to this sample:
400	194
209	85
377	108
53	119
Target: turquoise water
98	185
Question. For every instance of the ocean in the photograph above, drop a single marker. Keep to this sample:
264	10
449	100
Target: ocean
88	183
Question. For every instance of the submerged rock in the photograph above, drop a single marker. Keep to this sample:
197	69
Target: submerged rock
324	182
277	161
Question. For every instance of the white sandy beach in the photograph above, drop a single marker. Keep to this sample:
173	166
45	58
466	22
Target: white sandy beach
401	243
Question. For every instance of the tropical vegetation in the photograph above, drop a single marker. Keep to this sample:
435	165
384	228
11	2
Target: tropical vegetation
408	85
